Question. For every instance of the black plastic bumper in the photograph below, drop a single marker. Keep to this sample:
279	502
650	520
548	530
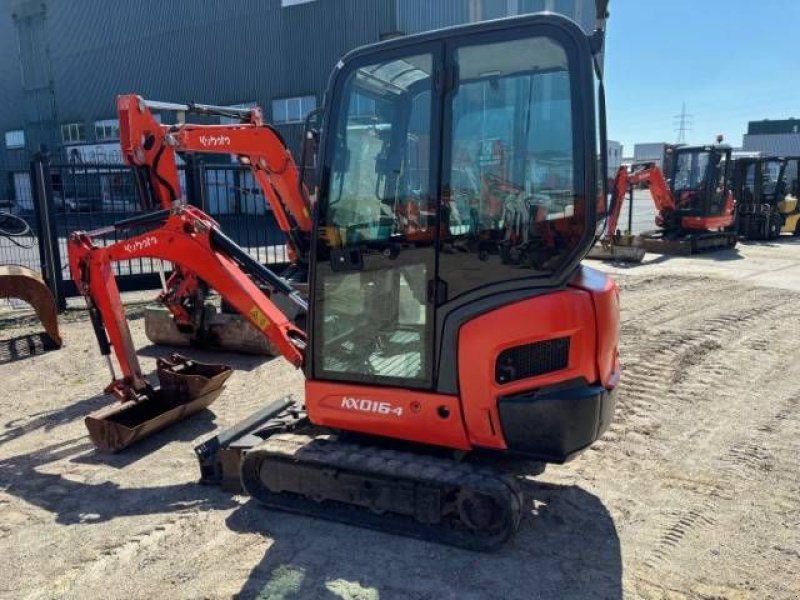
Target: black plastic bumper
554	425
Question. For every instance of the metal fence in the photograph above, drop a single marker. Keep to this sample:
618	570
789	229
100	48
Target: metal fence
58	198
18	240
231	195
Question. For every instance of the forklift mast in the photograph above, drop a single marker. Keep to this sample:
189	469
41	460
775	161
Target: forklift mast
759	180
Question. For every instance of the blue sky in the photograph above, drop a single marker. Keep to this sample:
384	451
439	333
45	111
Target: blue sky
731	61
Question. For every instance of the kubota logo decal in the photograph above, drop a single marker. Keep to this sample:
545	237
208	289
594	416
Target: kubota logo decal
371	406
142	244
215	140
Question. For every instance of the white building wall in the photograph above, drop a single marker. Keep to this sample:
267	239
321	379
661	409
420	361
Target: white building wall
614	157
649	152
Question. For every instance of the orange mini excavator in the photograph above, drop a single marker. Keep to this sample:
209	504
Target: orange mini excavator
151	150
695	207
444	334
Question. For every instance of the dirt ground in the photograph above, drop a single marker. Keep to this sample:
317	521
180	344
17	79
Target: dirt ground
693	493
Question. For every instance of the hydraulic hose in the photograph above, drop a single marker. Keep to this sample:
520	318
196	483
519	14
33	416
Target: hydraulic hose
12	226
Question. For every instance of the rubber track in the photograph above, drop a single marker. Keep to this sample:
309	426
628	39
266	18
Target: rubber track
327	453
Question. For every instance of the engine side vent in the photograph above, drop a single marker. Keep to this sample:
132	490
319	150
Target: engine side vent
531	360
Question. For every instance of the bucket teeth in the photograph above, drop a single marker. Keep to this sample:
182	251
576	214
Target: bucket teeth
186	387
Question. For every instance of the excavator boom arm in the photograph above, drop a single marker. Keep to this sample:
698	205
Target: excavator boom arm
189	238
618	191
659	189
149	144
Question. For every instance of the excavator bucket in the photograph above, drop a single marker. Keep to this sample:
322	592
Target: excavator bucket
185	387
24	284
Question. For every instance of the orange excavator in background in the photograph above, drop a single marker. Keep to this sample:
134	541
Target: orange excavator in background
613	244
151	149
694	205
430	360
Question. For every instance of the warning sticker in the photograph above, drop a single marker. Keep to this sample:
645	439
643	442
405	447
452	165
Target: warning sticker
259	318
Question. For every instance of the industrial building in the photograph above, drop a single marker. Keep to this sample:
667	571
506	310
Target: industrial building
614	158
779	137
650	152
63	62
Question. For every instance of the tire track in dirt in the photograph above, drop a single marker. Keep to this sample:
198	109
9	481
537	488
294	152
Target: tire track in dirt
113	556
665	299
658	369
691	355
746	460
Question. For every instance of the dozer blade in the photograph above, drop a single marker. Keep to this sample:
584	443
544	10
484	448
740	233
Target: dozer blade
186	387
221	331
631	254
24	284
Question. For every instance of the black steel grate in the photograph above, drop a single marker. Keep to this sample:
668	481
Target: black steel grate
531	360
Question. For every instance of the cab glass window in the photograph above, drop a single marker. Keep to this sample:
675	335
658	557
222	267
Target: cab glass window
512	210
376	229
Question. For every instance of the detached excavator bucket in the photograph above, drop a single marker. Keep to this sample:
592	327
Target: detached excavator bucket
185	387
24	284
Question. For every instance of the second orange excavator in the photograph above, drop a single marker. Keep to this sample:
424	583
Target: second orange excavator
694	205
185	315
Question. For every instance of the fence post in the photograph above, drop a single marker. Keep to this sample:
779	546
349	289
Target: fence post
201	185
194	181
44	208
630	211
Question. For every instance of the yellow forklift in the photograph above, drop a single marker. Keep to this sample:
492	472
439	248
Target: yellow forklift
788	206
766	194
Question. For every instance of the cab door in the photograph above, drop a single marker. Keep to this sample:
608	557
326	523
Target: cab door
376	221
513	179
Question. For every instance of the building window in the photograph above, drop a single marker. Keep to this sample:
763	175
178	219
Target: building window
286	3
292	110
15	139
107	129
73	132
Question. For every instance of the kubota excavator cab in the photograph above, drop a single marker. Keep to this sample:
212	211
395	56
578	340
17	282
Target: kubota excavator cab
458	194
698	180
695	207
